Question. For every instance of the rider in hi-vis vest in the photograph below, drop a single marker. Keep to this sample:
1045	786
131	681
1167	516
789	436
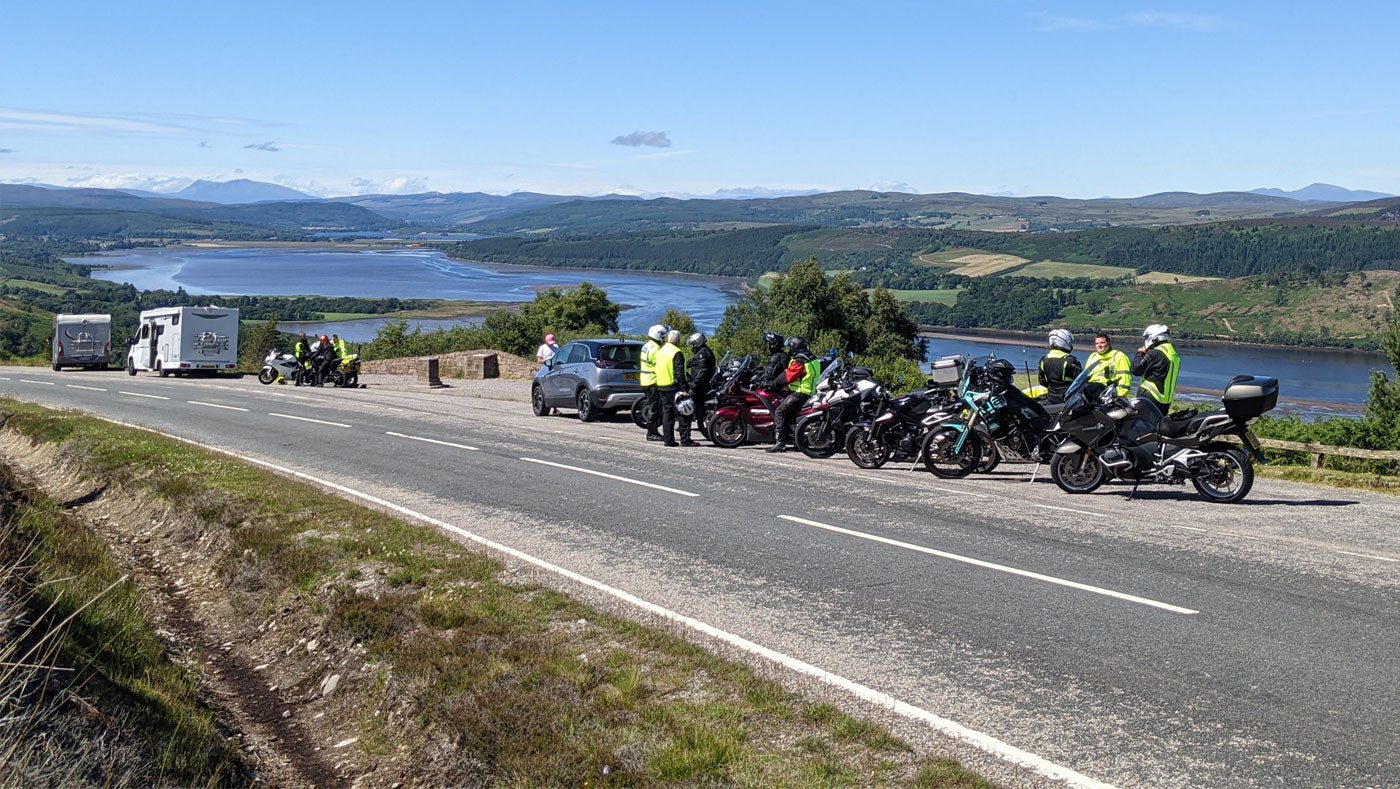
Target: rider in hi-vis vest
656	335
1110	367
802	374
1157	363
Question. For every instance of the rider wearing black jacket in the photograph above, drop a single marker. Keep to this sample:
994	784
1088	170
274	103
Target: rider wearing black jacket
774	375
701	371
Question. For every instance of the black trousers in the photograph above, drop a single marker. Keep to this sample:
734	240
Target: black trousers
667	398
653	409
785	415
696	419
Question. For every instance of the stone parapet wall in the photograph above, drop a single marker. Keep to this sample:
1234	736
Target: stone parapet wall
452	365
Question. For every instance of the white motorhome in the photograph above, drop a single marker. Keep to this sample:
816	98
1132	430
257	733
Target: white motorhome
184	340
81	340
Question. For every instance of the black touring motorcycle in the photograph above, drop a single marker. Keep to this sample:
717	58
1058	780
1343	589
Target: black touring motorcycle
1130	439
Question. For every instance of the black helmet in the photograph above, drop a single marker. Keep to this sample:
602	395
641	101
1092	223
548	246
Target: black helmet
773	340
796	344
1001	370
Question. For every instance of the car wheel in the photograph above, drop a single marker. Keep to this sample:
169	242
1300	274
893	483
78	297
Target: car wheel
161	371
587	412
130	367
537	403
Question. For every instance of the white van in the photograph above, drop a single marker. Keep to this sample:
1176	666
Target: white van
81	340
184	340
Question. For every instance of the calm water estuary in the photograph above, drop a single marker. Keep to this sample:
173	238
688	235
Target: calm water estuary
1318	376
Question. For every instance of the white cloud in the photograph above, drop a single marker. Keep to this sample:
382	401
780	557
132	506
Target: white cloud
1197	22
149	183
73	123
636	139
1056	22
892	186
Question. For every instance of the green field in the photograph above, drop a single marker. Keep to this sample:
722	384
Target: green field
949	296
40	286
1053	268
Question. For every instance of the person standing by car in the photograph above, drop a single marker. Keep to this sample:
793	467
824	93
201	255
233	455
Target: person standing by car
547	350
701	371
1059	367
1158	363
656	335
670	376
800	377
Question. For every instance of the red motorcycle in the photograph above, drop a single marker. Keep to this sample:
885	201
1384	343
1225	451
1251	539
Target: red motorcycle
743	414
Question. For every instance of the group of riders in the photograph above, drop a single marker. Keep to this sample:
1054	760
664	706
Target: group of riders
676	391
319	357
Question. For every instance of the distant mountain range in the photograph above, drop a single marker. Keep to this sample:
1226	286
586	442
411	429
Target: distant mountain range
1324	193
277	208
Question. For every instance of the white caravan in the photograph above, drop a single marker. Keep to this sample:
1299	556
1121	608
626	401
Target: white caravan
184	340
81	340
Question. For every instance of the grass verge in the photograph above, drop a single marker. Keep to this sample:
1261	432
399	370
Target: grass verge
471	675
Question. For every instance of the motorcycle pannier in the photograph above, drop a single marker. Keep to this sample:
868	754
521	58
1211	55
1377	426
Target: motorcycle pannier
947	371
1248	396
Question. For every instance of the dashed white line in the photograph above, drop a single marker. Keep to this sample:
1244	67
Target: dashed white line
1369	556
432	441
1067	509
308	419
1188	528
612	477
991	566
31	381
89	388
138	394
216	405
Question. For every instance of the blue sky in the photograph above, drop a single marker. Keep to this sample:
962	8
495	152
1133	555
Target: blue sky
1078	99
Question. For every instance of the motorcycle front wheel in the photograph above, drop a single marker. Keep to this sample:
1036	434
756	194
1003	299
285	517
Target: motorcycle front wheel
864	450
641	413
334	378
991	456
267	375
1227	476
945	459
814	439
1077	473
726	433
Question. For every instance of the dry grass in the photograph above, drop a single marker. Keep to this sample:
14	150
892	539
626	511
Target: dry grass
984	264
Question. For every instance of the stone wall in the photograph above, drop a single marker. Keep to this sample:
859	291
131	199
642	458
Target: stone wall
452	365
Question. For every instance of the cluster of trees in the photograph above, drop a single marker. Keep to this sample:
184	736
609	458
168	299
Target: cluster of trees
1017	303
582	311
718	252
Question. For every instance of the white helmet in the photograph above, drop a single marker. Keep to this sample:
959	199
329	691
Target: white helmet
685	406
1062	339
658	332
697	339
1154	334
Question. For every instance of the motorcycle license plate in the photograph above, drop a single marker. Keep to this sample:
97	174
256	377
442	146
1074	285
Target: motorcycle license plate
630	376
1251	441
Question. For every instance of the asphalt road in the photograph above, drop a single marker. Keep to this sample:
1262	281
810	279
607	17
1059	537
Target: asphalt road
1161	641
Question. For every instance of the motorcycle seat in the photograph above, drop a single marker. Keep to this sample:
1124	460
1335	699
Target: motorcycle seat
1174	428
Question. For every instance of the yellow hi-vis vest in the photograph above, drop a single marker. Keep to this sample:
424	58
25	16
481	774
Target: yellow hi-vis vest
1114	368
1163	394
807	384
648	363
665	363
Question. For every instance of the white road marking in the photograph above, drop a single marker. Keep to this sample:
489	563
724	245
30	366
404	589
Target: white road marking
1188	528
432	441
216	405
29	381
89	388
1067	509
965	492
1369	556
308	419
612	477
138	394
990	566
986	742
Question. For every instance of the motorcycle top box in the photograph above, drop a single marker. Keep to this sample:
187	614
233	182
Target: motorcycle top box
947	371
1248	396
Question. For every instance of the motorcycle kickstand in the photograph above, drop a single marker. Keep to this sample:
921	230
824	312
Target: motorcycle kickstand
1035	471
1133	492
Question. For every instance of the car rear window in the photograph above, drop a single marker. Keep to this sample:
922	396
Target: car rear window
620	355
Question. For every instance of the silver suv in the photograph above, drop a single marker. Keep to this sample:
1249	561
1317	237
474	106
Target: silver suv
590	375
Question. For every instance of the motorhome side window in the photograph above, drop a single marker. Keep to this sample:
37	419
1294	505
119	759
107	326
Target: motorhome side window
146	332
175	319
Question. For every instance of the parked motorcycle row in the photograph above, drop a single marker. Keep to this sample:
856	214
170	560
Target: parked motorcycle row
282	365
971	417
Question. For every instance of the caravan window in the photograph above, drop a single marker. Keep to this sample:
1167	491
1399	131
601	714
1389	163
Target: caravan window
175	319
145	331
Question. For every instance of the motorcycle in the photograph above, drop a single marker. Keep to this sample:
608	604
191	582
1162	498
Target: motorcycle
278	364
844	395
1003	419
897	432
350	370
742	413
1129	439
